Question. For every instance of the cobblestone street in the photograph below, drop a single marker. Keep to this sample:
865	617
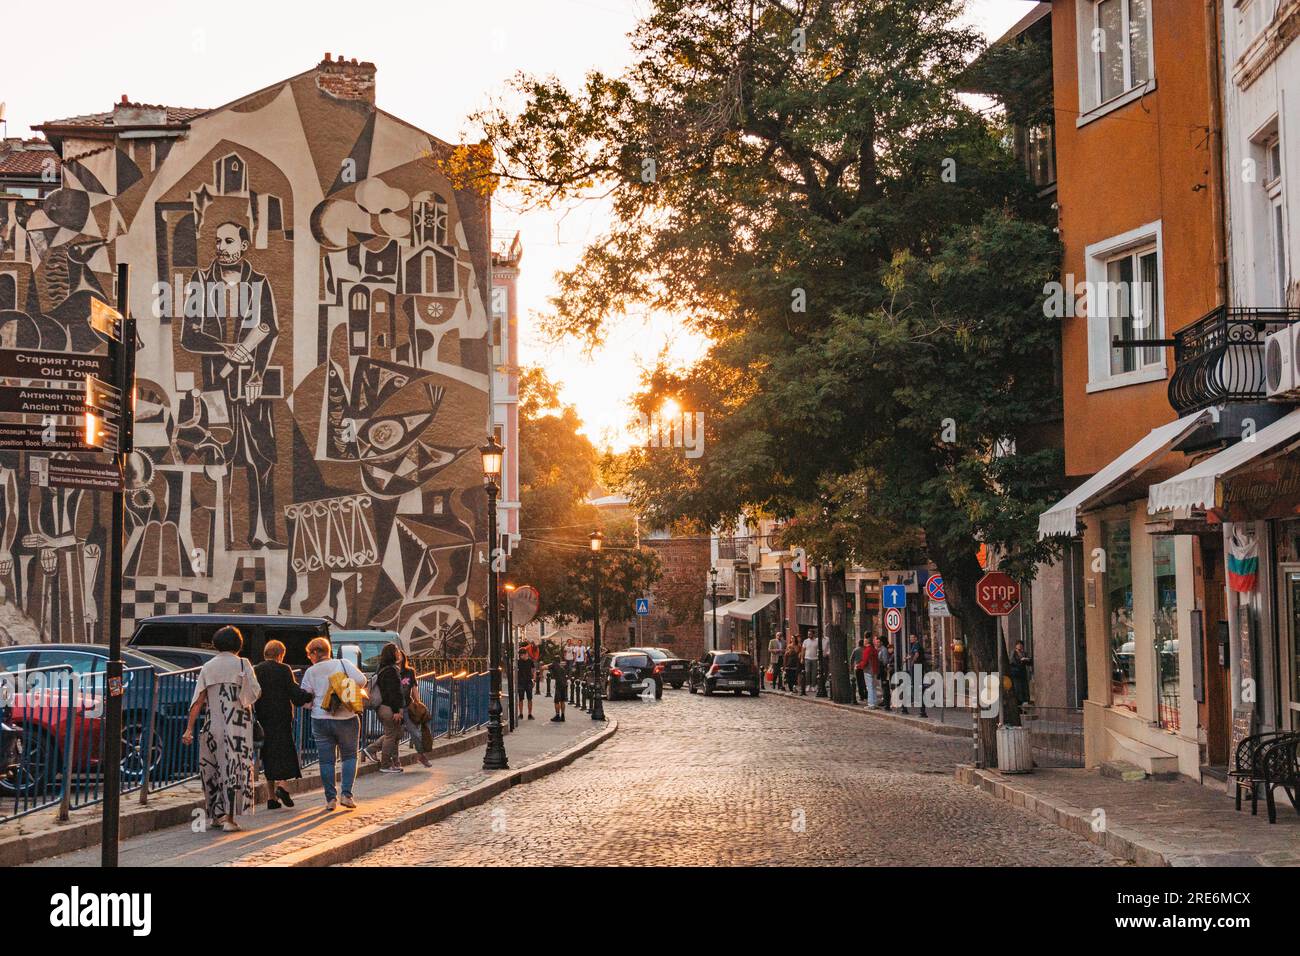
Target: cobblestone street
699	781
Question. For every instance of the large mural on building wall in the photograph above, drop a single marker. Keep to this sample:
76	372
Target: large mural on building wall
312	374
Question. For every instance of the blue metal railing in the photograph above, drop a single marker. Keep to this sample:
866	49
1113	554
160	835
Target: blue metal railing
52	732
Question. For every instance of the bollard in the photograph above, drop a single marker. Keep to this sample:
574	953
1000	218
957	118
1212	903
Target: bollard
548	682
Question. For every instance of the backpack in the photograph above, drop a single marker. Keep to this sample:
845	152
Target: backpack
372	690
345	694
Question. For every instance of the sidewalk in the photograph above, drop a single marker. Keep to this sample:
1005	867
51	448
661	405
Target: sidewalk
948	721
1152	822
309	835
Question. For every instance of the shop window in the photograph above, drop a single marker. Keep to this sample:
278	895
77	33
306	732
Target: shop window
1165	632
1119	607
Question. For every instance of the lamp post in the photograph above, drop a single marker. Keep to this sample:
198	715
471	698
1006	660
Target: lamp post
495	757
821	635
510	665
597	709
713	590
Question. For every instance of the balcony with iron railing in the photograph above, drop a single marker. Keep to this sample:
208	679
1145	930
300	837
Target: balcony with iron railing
1221	357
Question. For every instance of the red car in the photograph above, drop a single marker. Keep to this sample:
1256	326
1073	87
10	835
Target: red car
51	695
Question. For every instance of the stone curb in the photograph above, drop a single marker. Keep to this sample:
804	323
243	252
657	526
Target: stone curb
1120	841
944	730
349	846
137	820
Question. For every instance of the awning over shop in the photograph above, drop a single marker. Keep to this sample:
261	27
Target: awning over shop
722	610
744	610
1197	486
1062	517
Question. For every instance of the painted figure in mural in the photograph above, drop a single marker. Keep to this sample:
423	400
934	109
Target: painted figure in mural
235	334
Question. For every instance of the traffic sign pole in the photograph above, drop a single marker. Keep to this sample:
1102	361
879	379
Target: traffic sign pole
123	353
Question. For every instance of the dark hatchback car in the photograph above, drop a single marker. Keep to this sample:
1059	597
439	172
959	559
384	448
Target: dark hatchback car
624	673
724	670
196	630
675	670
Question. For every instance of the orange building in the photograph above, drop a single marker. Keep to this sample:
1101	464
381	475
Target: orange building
1139	188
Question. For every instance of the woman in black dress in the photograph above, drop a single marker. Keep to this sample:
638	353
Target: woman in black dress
280	694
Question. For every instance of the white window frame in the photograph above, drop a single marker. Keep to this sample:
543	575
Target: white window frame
1096	256
1275	204
1091	104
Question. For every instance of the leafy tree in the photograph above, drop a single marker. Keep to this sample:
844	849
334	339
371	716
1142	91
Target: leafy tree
801	182
557	471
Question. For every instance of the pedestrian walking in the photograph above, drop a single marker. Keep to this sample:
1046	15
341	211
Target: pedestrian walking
560	676
274	711
387	682
791	664
415	713
810	656
335	686
855	663
884	671
524	681
868	667
775	650
916	666
228	688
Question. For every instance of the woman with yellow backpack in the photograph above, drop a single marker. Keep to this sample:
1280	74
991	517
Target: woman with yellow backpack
339	692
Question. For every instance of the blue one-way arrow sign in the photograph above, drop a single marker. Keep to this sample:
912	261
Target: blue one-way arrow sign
895	595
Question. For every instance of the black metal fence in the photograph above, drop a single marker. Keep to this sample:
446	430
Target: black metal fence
1221	357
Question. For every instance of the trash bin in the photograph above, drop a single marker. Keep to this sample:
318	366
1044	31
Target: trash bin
1014	752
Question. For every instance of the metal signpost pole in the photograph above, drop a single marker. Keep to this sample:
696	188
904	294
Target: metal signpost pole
123	352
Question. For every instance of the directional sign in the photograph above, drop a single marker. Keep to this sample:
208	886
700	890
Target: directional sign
934	588
91	475
52	366
43	437
103	397
105	319
40	400
100	433
894	595
894	620
997	593
642	606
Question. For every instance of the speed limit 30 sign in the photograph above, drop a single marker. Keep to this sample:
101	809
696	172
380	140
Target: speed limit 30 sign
894	620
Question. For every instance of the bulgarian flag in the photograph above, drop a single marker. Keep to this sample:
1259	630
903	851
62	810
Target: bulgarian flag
1243	564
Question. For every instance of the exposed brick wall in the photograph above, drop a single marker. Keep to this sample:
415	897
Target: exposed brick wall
685	569
347	79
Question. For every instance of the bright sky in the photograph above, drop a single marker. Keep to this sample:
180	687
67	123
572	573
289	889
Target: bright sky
438	61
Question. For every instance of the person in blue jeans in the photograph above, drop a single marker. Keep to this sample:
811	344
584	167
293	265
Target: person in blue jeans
336	730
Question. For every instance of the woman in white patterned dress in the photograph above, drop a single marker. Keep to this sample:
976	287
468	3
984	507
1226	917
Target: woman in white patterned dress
229	688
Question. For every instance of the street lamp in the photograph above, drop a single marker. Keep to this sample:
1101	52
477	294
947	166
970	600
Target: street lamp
597	709
495	757
713	588
510	663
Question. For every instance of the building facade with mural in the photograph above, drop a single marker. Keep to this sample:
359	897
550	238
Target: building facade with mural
312	365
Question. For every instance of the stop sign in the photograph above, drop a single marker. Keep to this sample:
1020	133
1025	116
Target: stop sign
997	593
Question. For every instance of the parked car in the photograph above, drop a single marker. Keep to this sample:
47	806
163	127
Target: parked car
676	671
623	674
185	658
724	670
196	630
363	647
41	712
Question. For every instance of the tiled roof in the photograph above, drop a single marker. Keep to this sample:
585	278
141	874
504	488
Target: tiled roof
29	161
175	114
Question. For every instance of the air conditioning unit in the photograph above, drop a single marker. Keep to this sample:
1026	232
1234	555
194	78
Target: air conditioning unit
1281	363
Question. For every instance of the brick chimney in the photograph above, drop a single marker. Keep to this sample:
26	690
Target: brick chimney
347	79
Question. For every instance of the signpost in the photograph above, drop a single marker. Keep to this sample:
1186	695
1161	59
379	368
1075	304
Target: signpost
934	588
997	593
894	620
894	595
642	606
53	366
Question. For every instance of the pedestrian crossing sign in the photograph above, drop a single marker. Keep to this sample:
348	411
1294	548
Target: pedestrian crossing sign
642	606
